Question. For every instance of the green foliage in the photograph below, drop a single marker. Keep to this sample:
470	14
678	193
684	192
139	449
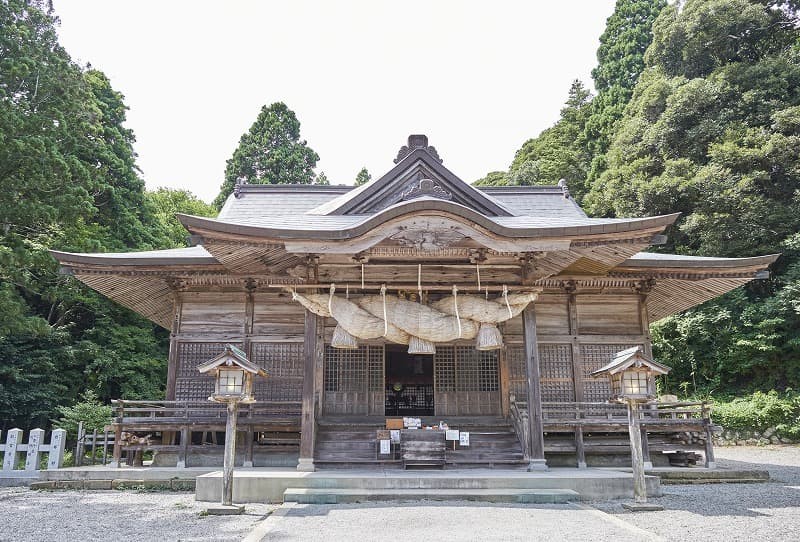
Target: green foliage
559	152
322	179
363	177
165	203
620	58
271	152
761	411
68	180
90	411
713	131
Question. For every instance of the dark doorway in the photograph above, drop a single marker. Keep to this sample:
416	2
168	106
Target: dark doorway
409	383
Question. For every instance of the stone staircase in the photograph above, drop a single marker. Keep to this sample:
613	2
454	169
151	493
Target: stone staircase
337	496
343	443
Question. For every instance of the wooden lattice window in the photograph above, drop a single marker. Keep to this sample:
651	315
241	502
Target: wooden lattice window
376	371
346	370
190	385
462	368
284	363
555	373
597	390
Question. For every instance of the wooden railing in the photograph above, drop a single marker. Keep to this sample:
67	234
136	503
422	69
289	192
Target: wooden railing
154	413
680	413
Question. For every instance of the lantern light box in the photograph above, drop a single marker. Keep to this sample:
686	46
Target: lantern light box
631	373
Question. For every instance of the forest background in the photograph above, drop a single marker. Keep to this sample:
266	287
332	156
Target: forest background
697	110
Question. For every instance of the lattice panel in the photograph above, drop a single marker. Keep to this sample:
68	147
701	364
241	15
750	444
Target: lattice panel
284	364
462	368
346	370
517	372
376	371
190	385
444	368
555	373
597	390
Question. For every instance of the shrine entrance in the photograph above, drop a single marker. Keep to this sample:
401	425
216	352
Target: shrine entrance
409	383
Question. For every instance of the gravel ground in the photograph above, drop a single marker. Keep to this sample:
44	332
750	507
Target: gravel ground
724	512
116	515
729	512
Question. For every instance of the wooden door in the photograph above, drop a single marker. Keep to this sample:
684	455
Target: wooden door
353	381
466	382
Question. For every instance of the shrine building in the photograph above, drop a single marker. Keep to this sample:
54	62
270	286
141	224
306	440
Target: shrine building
415	295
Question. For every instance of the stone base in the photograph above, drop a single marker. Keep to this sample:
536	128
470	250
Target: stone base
305	464
537	464
222	510
642	507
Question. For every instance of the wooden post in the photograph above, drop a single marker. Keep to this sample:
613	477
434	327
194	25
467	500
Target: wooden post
577	354
637	463
710	462
580	452
502	367
230	454
308	420
537	460
248	448
117	462
648	464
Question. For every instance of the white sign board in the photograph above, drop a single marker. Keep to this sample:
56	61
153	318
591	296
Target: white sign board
463	439
386	446
395	435
451	434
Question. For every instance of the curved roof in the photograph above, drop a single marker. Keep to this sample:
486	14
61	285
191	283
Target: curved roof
174	256
341	227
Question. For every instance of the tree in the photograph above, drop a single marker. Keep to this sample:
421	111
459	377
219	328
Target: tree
620	58
559	152
271	152
322	179
713	131
165	203
363	177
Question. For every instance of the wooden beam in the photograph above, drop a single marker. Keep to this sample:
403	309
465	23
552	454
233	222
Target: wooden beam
502	367
356	287
537	460
308	420
172	360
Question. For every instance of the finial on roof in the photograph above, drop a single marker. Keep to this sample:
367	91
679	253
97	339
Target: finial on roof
416	141
564	188
237	188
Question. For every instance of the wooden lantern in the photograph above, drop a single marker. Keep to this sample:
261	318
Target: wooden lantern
233	374
631	375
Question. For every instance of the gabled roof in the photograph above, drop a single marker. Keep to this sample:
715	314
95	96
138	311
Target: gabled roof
418	173
228	357
632	357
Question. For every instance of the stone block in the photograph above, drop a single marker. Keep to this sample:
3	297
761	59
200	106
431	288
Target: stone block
97	484
122	483
70	484
182	485
49	484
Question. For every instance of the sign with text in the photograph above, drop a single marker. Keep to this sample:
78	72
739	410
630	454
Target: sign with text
463	439
451	434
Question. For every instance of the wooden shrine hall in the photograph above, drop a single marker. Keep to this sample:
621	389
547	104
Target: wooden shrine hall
415	295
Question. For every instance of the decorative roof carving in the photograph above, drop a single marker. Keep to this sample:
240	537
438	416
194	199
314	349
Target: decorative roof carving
564	188
426	187
427	240
417	141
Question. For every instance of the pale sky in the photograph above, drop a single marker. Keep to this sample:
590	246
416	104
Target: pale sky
479	78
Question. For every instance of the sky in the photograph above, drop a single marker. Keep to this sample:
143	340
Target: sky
479	78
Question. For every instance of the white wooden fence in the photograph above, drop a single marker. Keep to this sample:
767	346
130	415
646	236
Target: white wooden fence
14	447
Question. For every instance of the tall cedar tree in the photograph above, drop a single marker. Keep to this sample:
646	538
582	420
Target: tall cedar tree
68	180
271	152
620	61
713	131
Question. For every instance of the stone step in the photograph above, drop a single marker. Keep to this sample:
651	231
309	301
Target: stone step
336	496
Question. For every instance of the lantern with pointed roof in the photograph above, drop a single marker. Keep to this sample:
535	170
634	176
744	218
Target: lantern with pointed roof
631	374
233	374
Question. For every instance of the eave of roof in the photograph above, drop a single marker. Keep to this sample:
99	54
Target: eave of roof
503	226
196	255
678	261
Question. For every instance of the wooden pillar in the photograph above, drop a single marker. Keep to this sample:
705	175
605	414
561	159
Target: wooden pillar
637	462
710	462
537	460
308	421
183	451
502	367
577	354
173	360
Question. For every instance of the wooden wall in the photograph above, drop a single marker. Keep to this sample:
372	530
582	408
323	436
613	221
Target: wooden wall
577	333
